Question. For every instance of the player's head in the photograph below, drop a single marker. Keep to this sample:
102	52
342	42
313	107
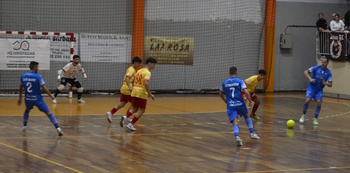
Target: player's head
233	71
262	74
136	61
76	59
34	66
151	63
325	61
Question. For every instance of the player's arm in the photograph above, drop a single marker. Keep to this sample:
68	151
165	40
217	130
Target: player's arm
329	81
307	75
222	96
147	89
20	95
47	91
127	80
83	73
247	95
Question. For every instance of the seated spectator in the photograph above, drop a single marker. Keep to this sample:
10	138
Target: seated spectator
321	23
337	24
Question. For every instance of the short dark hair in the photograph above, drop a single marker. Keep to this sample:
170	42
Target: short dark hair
33	64
262	71
76	56
136	59
320	14
151	60
337	15
233	70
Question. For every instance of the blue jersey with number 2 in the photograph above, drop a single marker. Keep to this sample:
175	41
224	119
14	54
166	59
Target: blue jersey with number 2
32	83
232	88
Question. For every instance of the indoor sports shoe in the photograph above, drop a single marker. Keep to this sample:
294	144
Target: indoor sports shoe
239	141
302	119
131	127
254	117
54	101
109	117
59	131
254	136
315	122
81	101
123	121
24	129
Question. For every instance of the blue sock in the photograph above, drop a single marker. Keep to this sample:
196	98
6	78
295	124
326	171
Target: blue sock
53	120
249	123
305	108
318	109
235	130
25	117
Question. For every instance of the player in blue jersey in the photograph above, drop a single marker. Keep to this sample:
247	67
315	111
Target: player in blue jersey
230	93
321	76
31	82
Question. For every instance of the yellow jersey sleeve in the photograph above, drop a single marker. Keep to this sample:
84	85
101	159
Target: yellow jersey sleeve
139	89
252	82
130	73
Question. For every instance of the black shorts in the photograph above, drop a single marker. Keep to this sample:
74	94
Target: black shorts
72	81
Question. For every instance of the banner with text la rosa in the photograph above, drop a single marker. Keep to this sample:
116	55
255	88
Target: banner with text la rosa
105	47
16	54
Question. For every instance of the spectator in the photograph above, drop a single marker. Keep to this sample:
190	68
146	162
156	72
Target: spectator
337	24
347	19
321	23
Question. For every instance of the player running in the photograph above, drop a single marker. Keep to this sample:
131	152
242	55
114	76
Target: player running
230	93
140	93
68	74
31	82
321	76
125	90
252	82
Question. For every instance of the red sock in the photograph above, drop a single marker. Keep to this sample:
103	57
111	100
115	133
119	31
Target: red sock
255	107
128	114
134	120
113	111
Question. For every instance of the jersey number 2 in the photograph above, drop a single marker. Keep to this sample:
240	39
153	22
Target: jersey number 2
29	87
233	92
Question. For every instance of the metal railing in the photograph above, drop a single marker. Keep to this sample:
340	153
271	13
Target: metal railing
333	44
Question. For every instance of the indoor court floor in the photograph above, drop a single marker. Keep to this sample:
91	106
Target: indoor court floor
178	133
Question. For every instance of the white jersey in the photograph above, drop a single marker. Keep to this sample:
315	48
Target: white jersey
70	71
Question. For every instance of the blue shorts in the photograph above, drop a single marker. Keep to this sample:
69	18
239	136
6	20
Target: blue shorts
233	112
40	104
312	94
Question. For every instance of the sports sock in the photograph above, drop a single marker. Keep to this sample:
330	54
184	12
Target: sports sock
128	114
114	110
134	120
249	123
53	120
25	117
57	92
255	107
79	95
306	106
235	130
318	109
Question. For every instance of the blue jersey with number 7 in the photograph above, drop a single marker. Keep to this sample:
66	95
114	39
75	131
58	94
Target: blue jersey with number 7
232	89
32	83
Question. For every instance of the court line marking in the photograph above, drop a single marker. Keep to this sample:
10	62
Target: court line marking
301	169
39	157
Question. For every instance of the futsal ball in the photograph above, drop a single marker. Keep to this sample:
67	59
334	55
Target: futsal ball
290	124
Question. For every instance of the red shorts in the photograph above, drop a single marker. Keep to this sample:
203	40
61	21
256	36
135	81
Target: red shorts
252	96
139	103
126	98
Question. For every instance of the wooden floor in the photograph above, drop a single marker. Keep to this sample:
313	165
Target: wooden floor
177	134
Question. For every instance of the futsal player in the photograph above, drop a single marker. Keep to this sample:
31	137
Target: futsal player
125	90
321	76
31	82
230	93
252	82
67	75
140	93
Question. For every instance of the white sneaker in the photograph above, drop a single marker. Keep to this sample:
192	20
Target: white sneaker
109	117
81	101
59	131
302	119
24	129
123	121
131	127
254	136
239	141
54	101
315	122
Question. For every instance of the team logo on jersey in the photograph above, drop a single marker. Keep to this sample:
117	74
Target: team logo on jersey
24	45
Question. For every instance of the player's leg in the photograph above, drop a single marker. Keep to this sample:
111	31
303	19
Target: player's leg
233	117
141	104
123	101
60	89
255	107
243	111
308	96
318	98
43	108
80	90
29	106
